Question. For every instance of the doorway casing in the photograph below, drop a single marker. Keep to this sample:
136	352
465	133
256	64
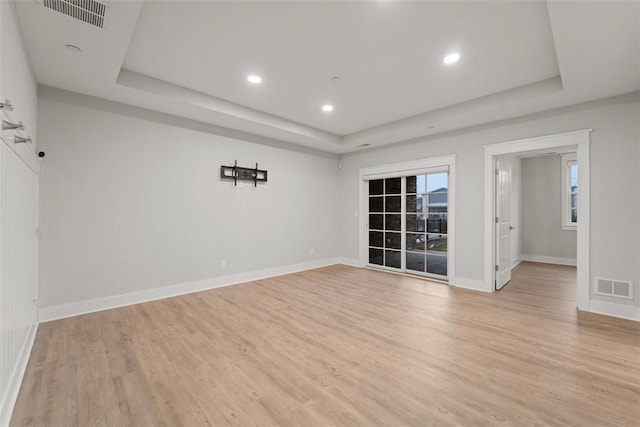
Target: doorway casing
578	140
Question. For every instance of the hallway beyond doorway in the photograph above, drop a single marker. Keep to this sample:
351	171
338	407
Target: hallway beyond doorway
534	285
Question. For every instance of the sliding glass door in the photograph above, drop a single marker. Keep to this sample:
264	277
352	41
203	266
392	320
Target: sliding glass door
408	219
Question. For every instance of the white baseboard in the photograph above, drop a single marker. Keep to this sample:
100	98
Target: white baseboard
473	284
353	262
622	311
515	262
13	386
550	260
61	311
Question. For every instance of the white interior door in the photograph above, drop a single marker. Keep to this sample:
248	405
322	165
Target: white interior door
503	223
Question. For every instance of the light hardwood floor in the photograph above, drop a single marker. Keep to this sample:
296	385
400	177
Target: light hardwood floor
341	346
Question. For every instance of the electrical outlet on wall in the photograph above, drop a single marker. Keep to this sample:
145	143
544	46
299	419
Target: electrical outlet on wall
223	263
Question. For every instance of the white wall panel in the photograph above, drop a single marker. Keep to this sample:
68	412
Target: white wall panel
18	269
19	182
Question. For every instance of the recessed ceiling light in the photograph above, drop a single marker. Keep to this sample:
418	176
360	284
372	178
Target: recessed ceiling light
451	58
254	79
327	108
73	48
335	79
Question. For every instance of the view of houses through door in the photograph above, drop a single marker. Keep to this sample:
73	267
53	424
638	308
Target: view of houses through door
408	223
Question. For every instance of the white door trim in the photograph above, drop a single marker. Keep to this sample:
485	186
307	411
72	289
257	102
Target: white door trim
580	141
413	167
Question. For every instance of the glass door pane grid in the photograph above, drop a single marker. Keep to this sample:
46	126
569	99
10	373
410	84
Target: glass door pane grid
375	215
385	223
426	232
432	227
393	195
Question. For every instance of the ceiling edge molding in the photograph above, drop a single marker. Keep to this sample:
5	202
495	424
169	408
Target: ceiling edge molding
175	93
113	107
415	126
627	98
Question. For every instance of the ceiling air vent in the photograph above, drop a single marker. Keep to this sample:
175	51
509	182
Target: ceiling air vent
89	11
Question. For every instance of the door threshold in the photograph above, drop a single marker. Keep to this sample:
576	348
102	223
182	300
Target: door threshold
413	276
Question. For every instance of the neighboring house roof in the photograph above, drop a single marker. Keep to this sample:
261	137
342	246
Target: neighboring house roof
438	196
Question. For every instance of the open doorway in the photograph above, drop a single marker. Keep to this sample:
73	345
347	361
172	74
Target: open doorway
536	210
498	181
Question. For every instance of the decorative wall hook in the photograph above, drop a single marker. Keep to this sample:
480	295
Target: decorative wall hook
12	126
20	140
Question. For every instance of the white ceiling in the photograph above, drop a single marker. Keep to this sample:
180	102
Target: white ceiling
389	56
191	59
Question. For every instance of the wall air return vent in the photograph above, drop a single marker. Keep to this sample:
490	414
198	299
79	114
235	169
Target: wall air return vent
613	288
89	11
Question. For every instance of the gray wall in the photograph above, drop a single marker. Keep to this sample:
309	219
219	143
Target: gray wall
542	233
130	204
133	204
614	182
